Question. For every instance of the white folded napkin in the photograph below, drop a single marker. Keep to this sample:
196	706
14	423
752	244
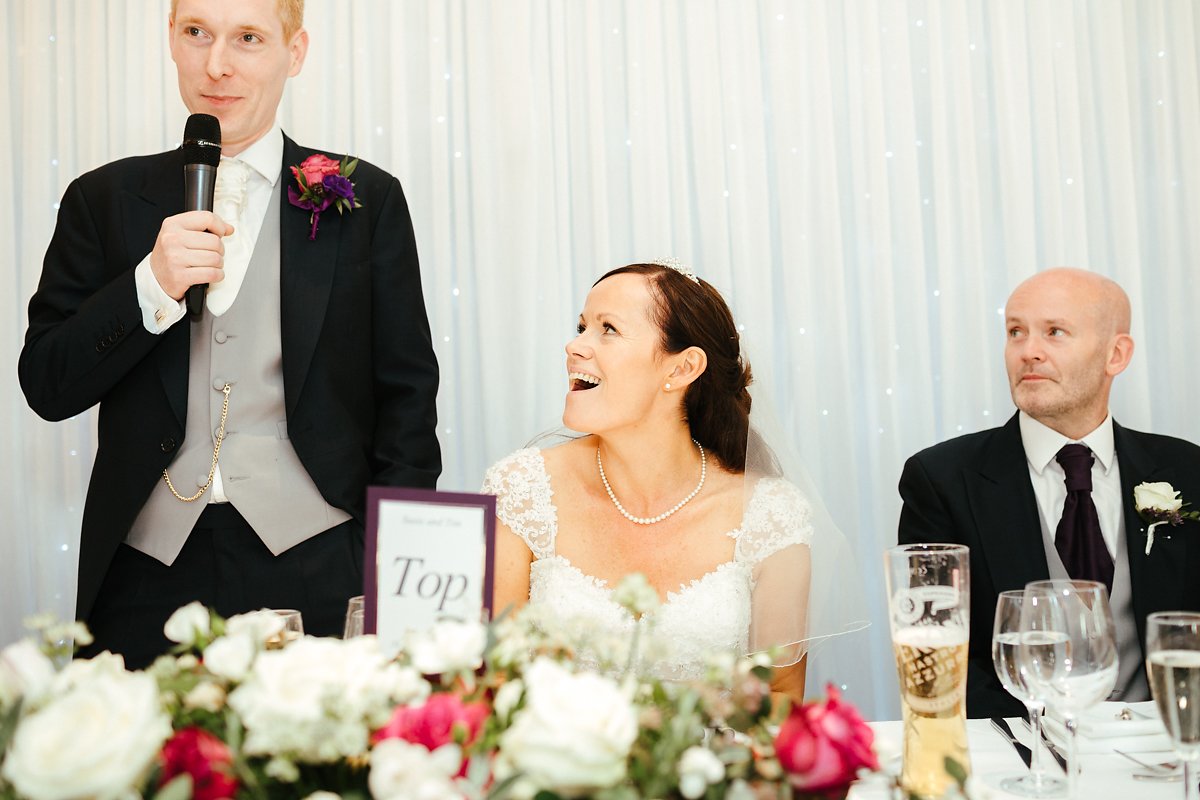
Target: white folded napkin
1102	729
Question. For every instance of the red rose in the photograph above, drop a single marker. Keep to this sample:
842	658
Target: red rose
435	723
316	167
823	745
203	756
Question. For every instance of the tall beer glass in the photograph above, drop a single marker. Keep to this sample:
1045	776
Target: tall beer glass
929	601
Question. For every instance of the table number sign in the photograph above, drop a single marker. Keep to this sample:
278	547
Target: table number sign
429	558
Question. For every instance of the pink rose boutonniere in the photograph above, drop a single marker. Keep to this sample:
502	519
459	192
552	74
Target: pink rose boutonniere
822	746
323	182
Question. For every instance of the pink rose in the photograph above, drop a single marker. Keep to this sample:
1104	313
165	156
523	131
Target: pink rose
444	718
204	757
823	745
316	167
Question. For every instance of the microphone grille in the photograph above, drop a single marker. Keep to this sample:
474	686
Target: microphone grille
202	140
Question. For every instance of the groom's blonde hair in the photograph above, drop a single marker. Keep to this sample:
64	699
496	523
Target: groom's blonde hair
291	13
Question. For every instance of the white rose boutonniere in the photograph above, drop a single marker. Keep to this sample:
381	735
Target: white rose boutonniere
1160	504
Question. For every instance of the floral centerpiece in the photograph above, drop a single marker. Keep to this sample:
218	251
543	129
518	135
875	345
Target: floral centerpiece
464	711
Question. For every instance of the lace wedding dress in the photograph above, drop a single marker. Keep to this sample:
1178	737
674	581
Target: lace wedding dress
713	613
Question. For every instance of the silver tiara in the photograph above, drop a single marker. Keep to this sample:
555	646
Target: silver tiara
678	266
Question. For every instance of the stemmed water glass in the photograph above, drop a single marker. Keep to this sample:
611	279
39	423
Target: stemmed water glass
1006	635
1067	653
1173	664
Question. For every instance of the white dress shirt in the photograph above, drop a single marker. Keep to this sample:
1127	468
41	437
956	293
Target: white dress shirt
159	310
1049	481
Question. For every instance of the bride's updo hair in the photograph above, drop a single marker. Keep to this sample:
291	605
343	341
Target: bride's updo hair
693	314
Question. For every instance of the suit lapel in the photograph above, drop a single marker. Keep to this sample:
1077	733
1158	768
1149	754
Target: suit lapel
1005	509
306	269
161	196
1157	580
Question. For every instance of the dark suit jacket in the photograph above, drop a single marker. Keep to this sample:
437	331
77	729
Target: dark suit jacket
360	376
975	490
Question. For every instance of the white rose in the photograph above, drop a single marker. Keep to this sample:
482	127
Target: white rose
230	656
98	740
316	700
187	624
25	671
447	647
574	733
323	795
205	696
261	625
1161	496
83	671
404	771
698	767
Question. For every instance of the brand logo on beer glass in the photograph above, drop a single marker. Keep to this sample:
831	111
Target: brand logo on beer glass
929	587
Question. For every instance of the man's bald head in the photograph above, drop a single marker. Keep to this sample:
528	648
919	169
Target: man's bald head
1094	294
1068	337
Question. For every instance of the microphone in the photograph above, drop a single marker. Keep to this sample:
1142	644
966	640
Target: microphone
201	155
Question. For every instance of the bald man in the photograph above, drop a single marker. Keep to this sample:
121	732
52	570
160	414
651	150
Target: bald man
1002	492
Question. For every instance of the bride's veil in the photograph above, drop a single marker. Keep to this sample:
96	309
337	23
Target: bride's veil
808	586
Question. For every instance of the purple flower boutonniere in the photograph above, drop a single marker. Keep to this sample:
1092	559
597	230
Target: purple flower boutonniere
323	182
1160	504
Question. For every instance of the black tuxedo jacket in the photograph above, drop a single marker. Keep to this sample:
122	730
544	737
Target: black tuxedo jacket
975	490
360	376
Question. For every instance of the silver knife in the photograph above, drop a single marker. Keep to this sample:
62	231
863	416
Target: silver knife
1001	725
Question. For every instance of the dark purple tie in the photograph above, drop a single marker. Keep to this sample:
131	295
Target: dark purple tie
1078	539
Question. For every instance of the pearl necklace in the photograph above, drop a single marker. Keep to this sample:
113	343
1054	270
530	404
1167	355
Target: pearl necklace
665	514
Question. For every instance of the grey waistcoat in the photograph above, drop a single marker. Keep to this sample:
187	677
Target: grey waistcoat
260	472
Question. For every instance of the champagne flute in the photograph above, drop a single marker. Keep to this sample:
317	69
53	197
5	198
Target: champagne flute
1067	652
1006	635
354	618
1173	664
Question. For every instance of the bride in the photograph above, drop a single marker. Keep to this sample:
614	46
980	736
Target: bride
661	486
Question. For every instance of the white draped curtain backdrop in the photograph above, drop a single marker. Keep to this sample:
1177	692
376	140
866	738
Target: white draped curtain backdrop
864	180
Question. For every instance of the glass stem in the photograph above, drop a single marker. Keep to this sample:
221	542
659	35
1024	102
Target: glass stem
1190	790
1072	756
1036	771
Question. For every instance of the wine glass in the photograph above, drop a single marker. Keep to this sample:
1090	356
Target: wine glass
1006	635
293	628
354	618
1067	653
1173	664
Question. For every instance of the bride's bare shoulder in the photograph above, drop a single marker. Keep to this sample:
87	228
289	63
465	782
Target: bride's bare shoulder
568	459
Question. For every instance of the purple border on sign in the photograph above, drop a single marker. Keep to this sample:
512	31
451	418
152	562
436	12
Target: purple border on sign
377	494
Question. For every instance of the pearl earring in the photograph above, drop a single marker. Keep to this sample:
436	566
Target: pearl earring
667	387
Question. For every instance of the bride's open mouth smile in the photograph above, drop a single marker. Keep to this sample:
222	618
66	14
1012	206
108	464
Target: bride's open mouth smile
581	381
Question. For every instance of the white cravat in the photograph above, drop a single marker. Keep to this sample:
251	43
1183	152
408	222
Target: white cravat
229	201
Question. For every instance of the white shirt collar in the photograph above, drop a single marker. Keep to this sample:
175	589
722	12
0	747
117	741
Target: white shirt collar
265	156
1042	443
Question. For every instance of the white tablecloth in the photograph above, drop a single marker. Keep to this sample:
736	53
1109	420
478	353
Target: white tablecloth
992	758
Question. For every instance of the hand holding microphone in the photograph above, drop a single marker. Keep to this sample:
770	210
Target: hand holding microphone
189	254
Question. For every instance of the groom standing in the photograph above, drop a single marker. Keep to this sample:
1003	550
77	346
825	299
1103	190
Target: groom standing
234	448
1050	494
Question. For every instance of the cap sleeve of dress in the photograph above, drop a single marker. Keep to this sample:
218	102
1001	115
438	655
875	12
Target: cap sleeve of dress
774	541
523	499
